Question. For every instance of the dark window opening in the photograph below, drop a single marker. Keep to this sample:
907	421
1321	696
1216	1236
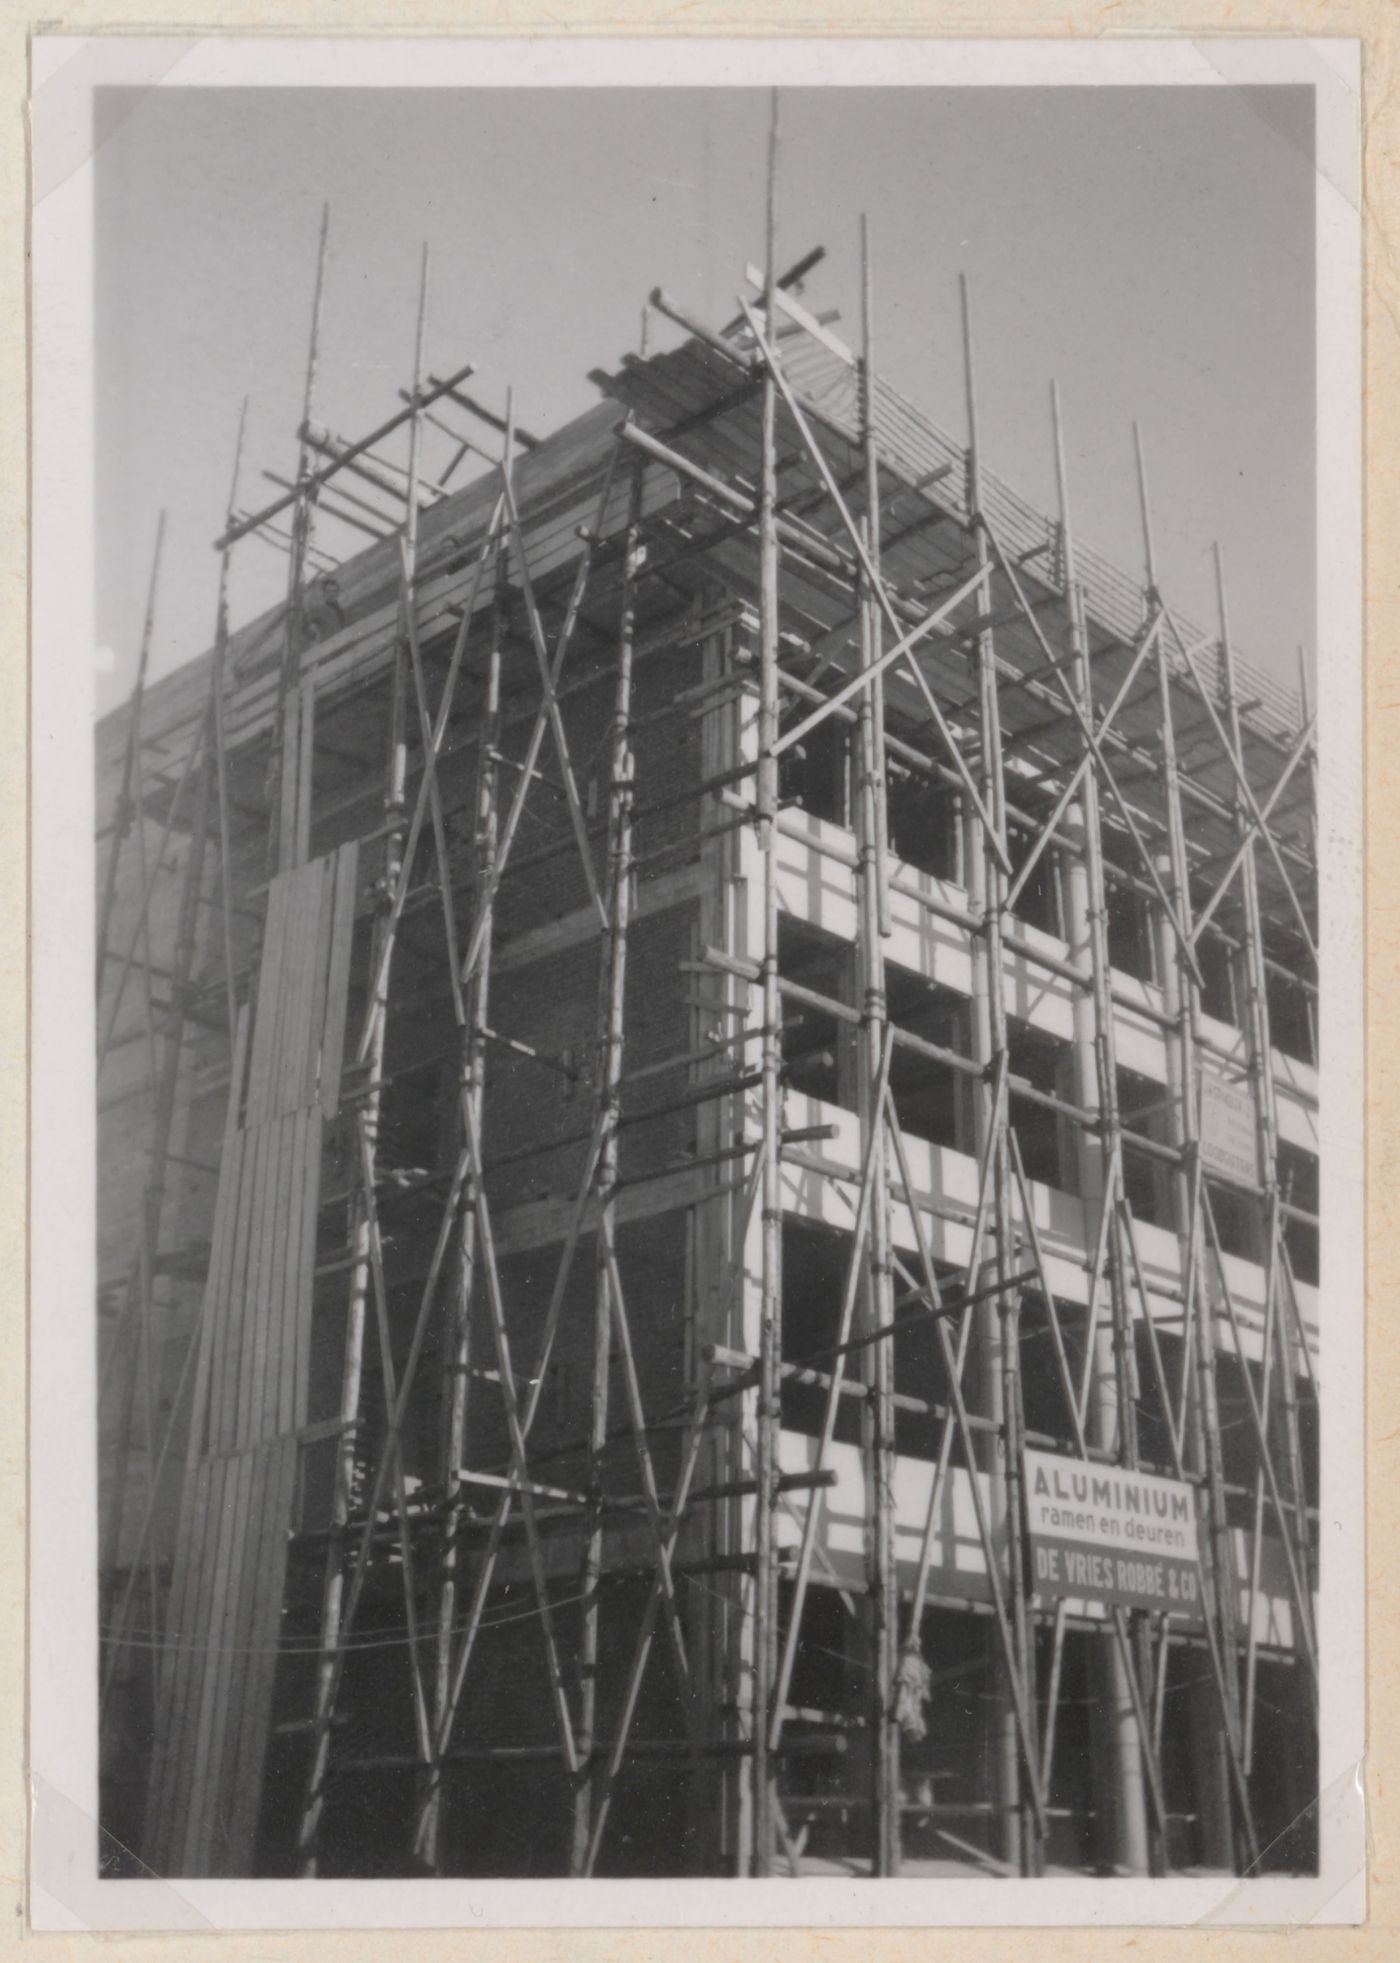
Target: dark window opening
928	1095
1301	1242
1236	1221
1038	902
821	1796
1043	1396
1298	1186
1142	1107
411	1120
1129	922
815	772
918	1361
924	822
812	1038
1292	1018
1074	1834
815	1262
948	1774
1159	1397
1036	1058
1308	1441
1217	965
1239	1440
1284	1779
1241	1458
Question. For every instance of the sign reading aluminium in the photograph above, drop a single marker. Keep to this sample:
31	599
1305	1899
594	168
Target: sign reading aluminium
1099	1533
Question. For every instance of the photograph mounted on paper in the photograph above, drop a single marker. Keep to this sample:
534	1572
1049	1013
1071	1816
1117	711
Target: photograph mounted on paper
712	981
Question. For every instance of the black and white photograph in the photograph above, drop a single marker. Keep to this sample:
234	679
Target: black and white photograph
697	1208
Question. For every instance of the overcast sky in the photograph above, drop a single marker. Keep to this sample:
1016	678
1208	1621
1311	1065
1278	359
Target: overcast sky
1152	249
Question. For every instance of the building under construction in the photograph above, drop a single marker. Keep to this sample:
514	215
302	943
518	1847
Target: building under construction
708	1190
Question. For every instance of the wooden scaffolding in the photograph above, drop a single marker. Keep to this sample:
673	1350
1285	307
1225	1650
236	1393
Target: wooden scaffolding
416	1475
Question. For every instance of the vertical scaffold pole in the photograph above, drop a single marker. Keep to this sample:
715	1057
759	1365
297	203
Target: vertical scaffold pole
471	1090
1000	1344
612	1005
221	639
1259	1039
286	747
1305	702
1216	1732
362	1205
765	1647
1118	1743
878	1294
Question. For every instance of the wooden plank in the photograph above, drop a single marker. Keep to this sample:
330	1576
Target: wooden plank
288	1241
280	1459
338	978
235	1659
201	1716
268	970
262	1327
231	1651
216	1285
286	971
289	1006
254	1339
282	1401
196	1660
171	1655
194	1654
303	1038
266	1584
282	1318
283	1405
290	992
797	313
219	1331
231	1366
221	1242
221	1251
279	1229
305	767
316	1036
269	990
287	782
241	1716
167	1767
238	1070
224	1428
306	1268
280	1212
222	1697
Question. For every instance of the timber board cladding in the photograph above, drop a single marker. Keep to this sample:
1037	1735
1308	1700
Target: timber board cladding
251	1383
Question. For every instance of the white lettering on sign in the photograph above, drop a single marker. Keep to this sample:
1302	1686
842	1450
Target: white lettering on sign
1104	1533
1229	1130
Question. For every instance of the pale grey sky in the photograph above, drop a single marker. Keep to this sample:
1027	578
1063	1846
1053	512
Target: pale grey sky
1152	249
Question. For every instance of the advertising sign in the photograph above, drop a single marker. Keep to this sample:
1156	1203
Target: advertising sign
1099	1533
1229	1130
